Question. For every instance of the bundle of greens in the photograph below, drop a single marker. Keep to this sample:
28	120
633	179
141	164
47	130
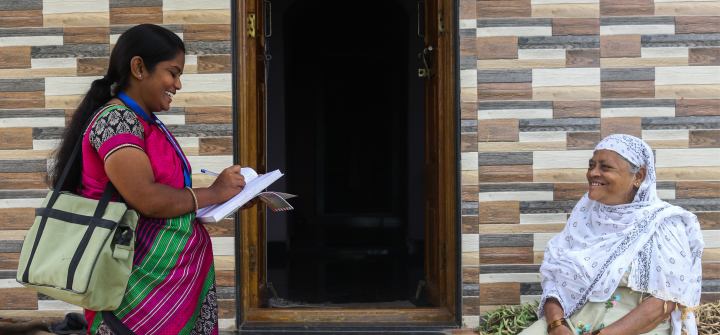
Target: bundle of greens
510	320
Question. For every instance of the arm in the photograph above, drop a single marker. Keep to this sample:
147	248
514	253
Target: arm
130	171
554	311
642	319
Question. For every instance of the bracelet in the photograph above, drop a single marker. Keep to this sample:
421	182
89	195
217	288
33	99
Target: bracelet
194	197
557	323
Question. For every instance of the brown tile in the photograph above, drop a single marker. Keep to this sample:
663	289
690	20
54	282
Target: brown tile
705	138
471	305
627	89
499	212
620	46
468	111
627	7
468	46
507	255
68	116
621	125
9	261
469	142
569	191
469	192
697	107
225	278
21	18
500	294
505	174
30	180
499	130
708	220
582	140
216	146
470	274
467	10
18	298
582	58
505	91
224	228
711	270
469	224
22	99
704	56
226	309
499	47
14	57
708	298
208	115
697	24
86	35
573	26
214	64
206	32
92	66
503	8
16	138
697	189
568	109
16	218
136	15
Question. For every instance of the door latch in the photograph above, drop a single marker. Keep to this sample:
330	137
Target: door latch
425	73
251	25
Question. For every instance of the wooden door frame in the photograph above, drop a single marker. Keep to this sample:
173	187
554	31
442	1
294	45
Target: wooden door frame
246	126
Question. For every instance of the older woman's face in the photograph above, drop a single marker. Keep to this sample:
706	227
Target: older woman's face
609	179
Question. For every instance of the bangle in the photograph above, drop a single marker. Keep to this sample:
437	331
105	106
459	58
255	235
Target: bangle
557	323
194	197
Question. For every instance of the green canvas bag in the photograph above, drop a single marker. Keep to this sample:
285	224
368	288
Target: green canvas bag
80	250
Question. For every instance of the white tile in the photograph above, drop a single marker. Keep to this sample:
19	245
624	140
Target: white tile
515	114
664	52
514	31
468	78
687	75
470	242
47	63
666	194
530	299
226	324
195	4
10	283
469	161
191	60
515	196
541	54
687	157
685	0
21	203
571	159
641	29
543	136
470	321
223	246
711	238
68	85
666	134
543	218
46	144
75	6
212	82
212	163
114	38
172	119
553	2
188	142
638	112
510	278
540	240
566	77
57	305
468	23
30	41
32	122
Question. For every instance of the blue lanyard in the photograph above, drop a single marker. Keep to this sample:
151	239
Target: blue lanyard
154	120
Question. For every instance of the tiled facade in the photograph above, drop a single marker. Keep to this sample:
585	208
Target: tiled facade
542	82
50	52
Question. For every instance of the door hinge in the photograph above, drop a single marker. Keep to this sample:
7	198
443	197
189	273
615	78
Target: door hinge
253	260
251	25
441	22
443	256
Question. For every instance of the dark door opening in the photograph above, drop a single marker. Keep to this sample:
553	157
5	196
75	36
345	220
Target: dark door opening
346	124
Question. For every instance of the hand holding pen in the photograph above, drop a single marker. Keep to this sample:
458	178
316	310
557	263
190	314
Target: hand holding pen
228	183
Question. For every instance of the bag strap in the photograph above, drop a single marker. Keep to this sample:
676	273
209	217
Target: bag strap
115	325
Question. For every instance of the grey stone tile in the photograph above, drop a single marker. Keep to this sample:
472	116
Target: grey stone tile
505	158
23	165
469	208
200	130
506	240
684	122
468	32
710	285
119	29
471	290
70	51
698	205
559	42
510	268
22	32
225	293
531	289
468	62
468	126
22	85
492	105
680	40
514	22
173	111
48	133
627	73
637	20
135	3
23	194
10	246
543	207
38	112
504	76
21	4
665	185
571	124
515	187
8	274
636	103
208	48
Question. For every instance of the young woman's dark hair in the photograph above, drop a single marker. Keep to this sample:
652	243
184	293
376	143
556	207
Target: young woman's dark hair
154	44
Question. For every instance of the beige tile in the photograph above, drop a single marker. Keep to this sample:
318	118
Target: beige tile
37	73
687	91
224	262
469	177
689	173
567	93
521	146
77	19
701	8
466	94
210	16
63	101
566	10
12	234
521	228
711	255
668	144
520	63
559	175
203	99
643	62
468	259
24	154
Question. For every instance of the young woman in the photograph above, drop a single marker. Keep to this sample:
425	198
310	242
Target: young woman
626	262
172	285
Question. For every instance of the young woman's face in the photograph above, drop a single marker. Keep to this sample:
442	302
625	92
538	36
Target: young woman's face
609	179
161	85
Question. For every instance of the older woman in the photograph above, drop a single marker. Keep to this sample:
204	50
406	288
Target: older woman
626	262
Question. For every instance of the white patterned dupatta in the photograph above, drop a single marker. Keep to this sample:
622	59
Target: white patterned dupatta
664	244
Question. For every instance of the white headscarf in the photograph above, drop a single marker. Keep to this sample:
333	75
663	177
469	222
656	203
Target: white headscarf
586	261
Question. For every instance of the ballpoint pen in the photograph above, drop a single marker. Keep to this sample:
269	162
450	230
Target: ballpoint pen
209	172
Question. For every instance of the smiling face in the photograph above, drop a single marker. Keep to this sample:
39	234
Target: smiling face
158	89
610	180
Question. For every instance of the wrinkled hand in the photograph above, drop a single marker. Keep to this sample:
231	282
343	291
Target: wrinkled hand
228	184
561	330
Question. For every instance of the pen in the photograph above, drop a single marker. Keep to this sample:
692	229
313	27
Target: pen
209	172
